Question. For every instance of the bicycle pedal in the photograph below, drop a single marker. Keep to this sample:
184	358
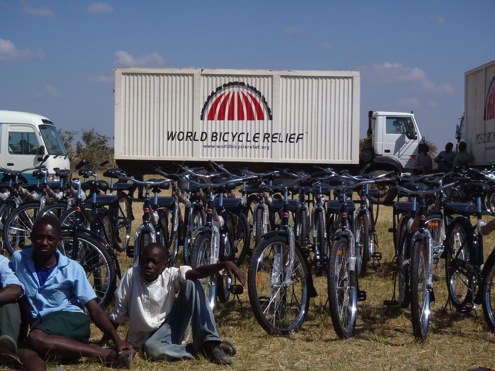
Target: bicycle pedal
376	256
236	289
130	251
362	295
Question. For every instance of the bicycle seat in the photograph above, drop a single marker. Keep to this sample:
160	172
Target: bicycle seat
341	181
229	202
94	185
463	208
165	185
403	207
104	200
114	173
165	201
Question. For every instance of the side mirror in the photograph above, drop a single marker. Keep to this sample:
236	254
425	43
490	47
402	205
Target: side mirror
411	133
41	151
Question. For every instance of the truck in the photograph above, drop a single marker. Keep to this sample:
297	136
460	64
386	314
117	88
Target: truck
26	140
477	125
257	119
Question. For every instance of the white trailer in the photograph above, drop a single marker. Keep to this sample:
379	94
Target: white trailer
256	119
477	127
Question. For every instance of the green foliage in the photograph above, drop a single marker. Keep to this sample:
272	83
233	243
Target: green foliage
91	146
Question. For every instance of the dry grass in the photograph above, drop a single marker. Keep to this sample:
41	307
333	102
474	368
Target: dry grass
383	339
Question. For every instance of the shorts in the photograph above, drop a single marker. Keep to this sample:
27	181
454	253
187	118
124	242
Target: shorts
72	325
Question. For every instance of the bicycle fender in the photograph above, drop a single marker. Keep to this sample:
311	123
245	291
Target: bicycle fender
274	233
203	229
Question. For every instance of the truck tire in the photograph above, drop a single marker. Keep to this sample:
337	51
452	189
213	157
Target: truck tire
387	191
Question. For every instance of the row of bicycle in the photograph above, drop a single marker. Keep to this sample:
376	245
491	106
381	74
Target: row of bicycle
292	224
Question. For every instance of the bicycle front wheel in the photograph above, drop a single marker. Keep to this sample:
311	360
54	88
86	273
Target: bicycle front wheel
459	246
202	256
420	292
320	243
403	262
488	301
342	288
96	261
279	297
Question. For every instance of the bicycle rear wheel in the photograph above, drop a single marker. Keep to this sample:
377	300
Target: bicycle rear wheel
238	237
320	243
95	259
435	225
403	262
363	241
342	288
168	235
198	219
123	223
420	292
459	246
18	226
279	298
202	256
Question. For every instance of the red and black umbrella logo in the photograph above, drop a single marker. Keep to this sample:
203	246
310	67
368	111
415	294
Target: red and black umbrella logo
236	101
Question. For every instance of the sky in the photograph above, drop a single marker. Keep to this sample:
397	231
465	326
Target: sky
57	57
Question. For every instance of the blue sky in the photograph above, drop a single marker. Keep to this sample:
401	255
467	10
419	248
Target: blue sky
57	57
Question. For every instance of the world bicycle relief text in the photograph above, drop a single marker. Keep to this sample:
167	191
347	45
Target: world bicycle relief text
234	137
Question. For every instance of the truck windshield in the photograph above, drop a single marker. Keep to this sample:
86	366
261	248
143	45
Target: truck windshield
53	142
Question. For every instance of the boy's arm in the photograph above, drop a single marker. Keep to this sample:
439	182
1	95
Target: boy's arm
10	294
207	270
102	321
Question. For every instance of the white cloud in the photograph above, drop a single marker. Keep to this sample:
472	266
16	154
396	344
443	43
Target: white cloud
101	78
100	8
439	19
294	31
328	46
47	91
9	52
125	59
391	73
42	12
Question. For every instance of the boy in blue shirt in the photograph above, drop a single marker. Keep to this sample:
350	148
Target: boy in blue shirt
57	292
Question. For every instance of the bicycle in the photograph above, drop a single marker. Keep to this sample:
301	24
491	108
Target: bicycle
415	261
279	281
225	236
470	278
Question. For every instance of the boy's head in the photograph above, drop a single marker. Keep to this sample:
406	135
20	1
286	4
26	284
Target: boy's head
153	261
46	235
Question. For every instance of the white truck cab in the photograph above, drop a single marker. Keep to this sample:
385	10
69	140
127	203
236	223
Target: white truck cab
394	137
25	139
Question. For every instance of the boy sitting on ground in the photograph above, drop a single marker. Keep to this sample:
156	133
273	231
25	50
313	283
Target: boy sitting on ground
57	291
158	321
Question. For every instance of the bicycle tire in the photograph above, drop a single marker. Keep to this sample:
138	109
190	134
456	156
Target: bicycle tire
198	219
420	292
224	281
342	288
435	225
488	302
55	209
320	244
301	227
363	240
95	260
279	307
143	238
238	236
258	225
403	263
202	256
123	222
168	236
18	226
460	243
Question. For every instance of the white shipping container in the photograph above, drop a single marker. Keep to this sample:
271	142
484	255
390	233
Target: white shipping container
479	105
247	116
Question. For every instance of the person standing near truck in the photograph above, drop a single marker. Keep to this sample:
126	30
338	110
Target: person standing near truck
463	157
445	159
424	164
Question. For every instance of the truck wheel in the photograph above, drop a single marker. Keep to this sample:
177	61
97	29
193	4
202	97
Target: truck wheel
387	191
